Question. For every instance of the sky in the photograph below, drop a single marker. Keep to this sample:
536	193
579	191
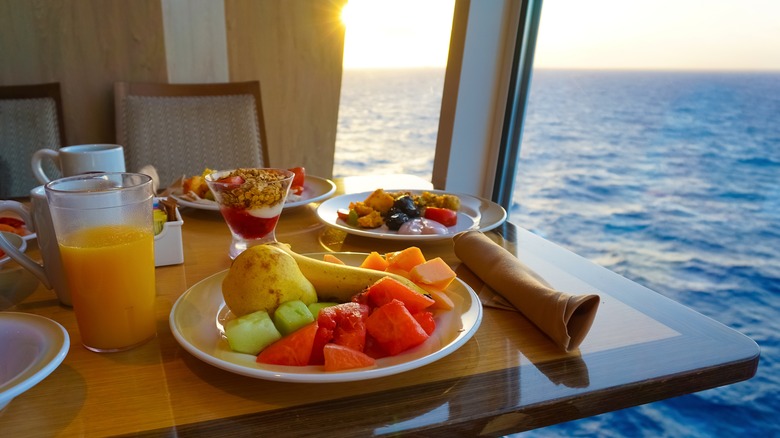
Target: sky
619	34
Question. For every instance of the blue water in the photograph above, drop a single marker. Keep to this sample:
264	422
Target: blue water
669	179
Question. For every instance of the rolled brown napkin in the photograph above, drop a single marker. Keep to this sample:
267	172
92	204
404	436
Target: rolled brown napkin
563	317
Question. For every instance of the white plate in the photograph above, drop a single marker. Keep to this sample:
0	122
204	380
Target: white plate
197	316
31	347
474	214
315	189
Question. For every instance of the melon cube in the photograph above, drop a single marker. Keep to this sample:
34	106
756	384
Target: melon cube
315	308
292	315
251	333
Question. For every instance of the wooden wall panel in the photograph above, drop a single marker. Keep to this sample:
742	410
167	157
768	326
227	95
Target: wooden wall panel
85	45
195	41
295	49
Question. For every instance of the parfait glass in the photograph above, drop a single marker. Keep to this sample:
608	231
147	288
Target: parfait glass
251	201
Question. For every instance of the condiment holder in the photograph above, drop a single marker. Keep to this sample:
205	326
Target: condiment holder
168	249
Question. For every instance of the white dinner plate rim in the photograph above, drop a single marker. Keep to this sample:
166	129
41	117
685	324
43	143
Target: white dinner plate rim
470	318
491	215
326	188
47	360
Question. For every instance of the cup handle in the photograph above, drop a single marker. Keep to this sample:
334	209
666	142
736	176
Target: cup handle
37	163
26	262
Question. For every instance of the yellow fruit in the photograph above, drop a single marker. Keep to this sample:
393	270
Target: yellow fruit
263	277
335	282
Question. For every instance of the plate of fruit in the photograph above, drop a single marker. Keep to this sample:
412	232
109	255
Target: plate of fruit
343	316
410	214
193	191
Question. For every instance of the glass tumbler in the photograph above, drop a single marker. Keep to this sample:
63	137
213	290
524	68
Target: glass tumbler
103	223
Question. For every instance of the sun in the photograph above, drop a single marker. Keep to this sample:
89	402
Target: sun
397	33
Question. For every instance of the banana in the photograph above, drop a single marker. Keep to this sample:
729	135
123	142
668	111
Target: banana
335	282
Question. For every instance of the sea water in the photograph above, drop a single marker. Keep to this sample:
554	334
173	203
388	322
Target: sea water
671	179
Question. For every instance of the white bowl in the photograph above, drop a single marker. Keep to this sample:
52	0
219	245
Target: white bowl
31	347
15	240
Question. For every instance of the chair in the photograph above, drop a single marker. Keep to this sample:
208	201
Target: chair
31	118
181	129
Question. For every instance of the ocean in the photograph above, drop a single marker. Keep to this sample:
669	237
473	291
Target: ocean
670	179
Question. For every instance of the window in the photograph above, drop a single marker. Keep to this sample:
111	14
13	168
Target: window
394	57
651	146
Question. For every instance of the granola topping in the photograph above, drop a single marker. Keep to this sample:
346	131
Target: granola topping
261	188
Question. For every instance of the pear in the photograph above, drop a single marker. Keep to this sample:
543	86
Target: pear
263	277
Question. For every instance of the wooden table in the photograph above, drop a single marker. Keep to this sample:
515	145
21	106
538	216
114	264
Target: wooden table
509	377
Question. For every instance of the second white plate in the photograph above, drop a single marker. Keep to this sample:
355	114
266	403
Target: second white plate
474	214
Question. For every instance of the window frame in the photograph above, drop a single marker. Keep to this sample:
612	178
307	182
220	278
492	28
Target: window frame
485	93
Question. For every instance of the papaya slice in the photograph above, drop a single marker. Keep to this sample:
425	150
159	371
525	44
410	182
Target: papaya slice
387	289
406	259
374	261
332	259
434	272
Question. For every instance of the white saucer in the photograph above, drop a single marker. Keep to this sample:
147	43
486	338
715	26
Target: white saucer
31	347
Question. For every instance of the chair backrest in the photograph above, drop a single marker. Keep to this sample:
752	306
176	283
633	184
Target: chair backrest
31	118
181	129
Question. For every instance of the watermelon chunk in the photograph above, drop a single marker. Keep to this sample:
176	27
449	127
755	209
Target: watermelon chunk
426	321
293	349
339	357
343	324
394	328
387	289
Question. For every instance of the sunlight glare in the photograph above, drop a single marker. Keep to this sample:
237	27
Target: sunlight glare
397	33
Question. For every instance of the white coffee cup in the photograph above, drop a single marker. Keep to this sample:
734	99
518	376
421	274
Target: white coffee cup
75	160
38	219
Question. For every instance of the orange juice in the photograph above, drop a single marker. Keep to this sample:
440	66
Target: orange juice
110	272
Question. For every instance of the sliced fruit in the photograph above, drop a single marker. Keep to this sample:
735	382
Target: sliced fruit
292	315
388	289
298	181
338	357
333	259
406	259
444	216
426	321
315	308
293	349
398	271
347	321
442	300
434	272
251	333
374	261
394	328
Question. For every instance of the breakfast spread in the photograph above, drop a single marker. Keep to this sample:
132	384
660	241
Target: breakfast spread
404	212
